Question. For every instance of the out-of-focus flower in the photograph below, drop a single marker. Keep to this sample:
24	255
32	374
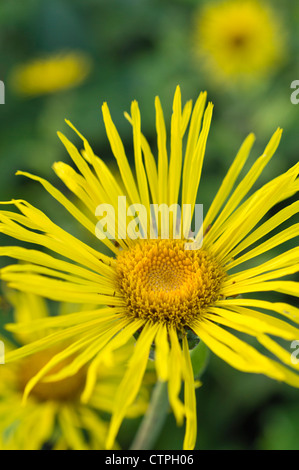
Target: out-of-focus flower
50	74
239	39
53	416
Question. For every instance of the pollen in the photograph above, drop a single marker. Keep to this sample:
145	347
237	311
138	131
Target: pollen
64	390
162	282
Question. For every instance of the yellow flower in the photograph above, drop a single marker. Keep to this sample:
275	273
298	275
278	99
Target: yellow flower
53	416
238	39
51	73
156	289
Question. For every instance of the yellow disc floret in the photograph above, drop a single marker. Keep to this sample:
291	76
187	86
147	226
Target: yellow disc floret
162	282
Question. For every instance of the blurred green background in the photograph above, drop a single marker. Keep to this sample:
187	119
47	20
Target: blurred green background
139	49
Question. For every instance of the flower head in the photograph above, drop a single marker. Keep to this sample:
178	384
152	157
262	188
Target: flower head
50	74
161	282
155	288
53	416
239	39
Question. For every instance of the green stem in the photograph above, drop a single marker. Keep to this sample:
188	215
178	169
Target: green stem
199	359
153	420
156	413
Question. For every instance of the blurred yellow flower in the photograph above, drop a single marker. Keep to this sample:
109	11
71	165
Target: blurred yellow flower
239	39
50	74
53	416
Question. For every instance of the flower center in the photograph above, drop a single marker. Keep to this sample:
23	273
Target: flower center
238	40
67	389
160	281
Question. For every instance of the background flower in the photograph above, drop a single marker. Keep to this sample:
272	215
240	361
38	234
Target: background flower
239	40
50	74
54	417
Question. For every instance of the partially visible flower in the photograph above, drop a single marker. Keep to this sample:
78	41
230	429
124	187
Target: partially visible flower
51	73
53	416
238	39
